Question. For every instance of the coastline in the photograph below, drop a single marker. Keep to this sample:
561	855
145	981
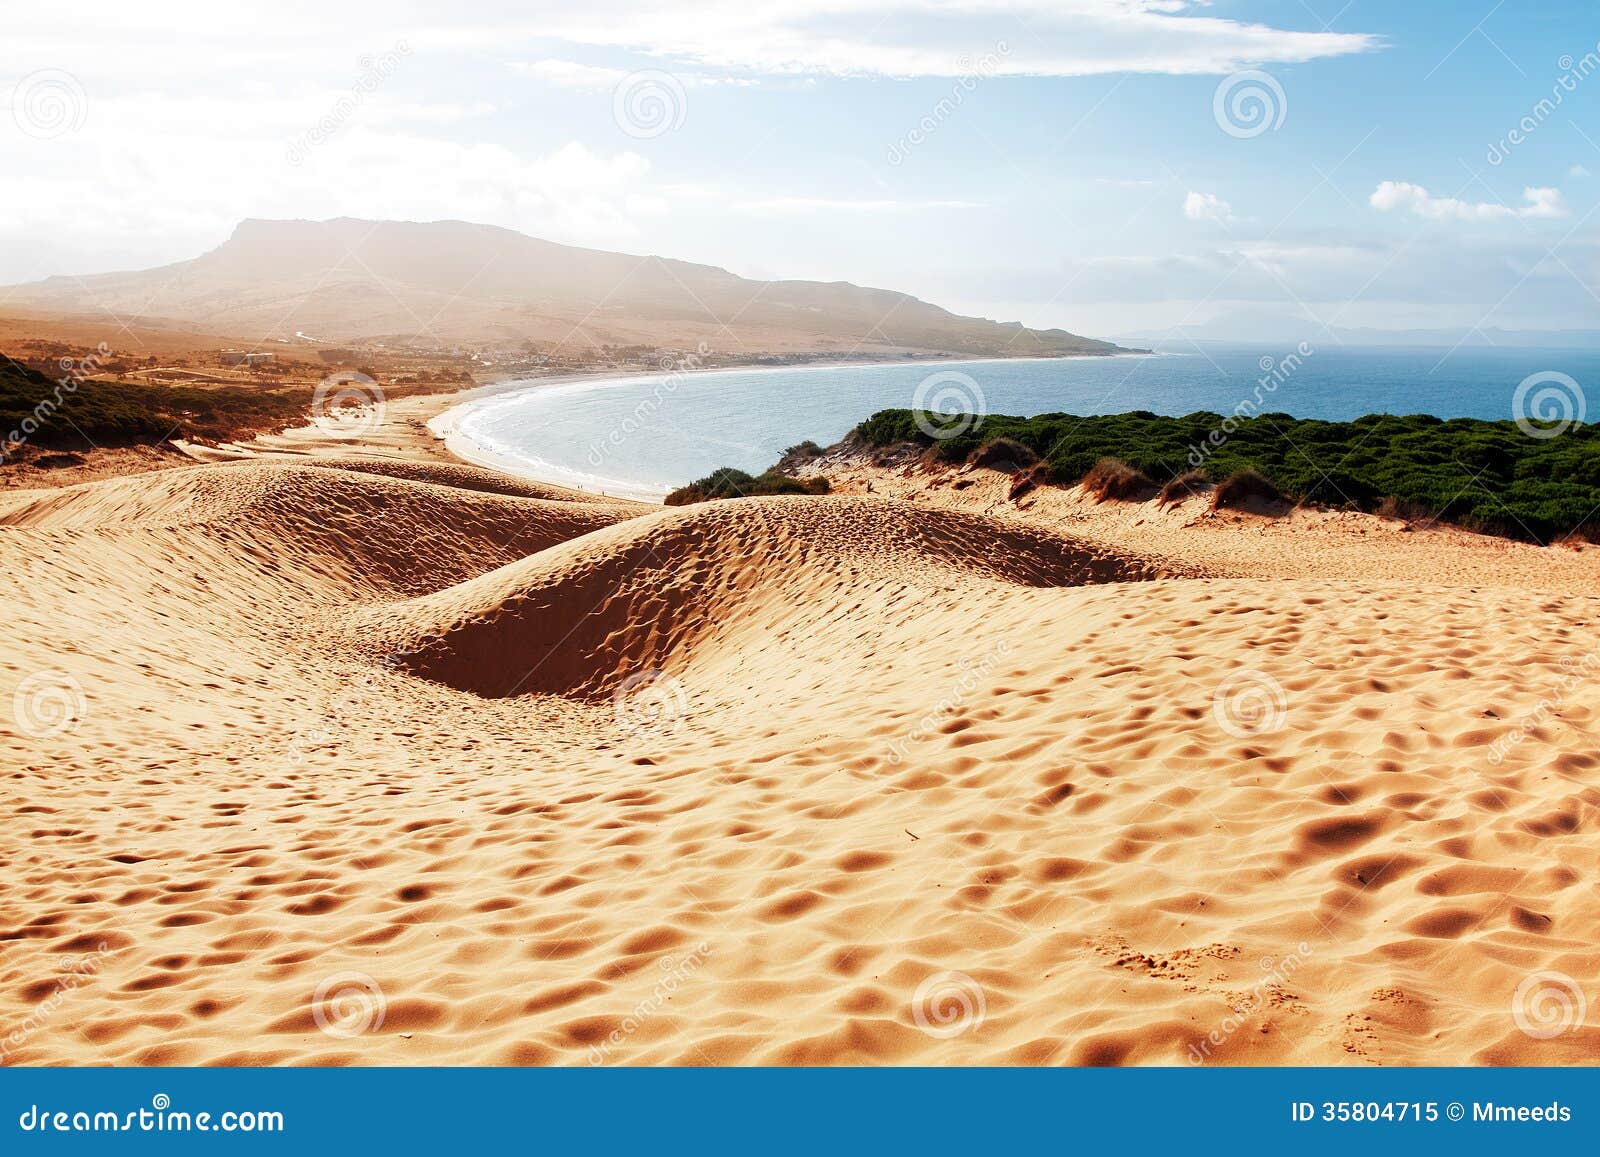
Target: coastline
422	428
445	427
402	431
445	424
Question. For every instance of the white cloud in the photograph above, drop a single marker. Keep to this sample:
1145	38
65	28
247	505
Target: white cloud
1207	207
835	205
177	192
571	74
946	37
1578	171
383	112
771	37
1538	202
1543	202
191	106
593	78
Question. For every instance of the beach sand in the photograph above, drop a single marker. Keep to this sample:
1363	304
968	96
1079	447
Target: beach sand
387	760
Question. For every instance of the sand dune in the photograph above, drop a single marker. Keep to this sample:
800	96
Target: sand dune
662	591
409	765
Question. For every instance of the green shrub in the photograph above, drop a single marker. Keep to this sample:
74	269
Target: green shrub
728	482
1486	476
42	411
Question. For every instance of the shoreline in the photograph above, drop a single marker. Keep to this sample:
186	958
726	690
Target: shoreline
423	427
402	432
445	425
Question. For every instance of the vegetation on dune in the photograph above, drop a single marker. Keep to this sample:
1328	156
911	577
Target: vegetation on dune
1114	478
727	482
1487	476
69	412
796	456
1247	490
1188	483
1003	453
78	411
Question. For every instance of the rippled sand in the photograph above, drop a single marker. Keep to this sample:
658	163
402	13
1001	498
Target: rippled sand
415	765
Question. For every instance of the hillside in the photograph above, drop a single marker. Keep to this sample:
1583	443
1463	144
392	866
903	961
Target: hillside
443	283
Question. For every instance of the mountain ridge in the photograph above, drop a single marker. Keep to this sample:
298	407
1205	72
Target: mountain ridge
451	283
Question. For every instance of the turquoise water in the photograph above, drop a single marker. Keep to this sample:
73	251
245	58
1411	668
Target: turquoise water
642	436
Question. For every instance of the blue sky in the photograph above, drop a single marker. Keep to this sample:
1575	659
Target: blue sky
1060	163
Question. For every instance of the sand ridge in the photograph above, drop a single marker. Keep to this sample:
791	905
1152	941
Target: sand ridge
314	765
652	591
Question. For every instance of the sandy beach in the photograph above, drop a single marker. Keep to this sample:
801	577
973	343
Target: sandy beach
609	443
355	754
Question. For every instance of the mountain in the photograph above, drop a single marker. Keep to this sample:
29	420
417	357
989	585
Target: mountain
1266	327
450	283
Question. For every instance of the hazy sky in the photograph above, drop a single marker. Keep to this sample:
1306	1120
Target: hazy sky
1101	165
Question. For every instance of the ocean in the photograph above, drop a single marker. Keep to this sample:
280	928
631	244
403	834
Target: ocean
642	436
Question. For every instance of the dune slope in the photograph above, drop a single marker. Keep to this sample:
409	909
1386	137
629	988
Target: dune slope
659	591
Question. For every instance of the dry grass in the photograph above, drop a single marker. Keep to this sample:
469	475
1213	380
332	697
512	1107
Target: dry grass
1004	454
1250	491
1188	483
1115	479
